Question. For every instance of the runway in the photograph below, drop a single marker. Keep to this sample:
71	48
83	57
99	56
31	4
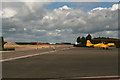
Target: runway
23	53
70	63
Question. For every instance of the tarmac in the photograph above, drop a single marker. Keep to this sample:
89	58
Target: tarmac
72	62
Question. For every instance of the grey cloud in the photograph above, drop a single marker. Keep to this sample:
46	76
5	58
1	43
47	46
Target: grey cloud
41	24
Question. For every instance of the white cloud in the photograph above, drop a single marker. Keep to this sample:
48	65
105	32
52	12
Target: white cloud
99	8
115	7
54	34
12	29
29	1
65	7
58	25
41	30
25	29
7	13
48	17
112	34
60	1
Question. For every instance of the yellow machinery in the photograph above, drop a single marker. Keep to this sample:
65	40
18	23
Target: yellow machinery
101	45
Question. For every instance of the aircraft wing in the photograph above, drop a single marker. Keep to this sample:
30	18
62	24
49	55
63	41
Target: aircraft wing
111	44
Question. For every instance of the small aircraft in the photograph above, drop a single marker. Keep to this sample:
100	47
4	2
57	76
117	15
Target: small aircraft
101	45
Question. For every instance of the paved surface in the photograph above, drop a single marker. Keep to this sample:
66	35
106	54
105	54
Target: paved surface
75	62
21	52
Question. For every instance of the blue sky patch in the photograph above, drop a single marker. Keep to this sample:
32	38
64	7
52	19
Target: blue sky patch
86	6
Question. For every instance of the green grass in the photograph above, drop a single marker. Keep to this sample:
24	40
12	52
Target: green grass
8	49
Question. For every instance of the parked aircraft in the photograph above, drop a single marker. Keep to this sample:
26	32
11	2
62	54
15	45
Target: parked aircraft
101	45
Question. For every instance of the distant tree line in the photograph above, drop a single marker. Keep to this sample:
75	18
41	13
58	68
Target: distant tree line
82	40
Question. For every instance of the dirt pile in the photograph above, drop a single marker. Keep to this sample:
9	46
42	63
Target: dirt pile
10	44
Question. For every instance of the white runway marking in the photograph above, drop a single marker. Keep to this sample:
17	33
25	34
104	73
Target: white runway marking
26	56
95	78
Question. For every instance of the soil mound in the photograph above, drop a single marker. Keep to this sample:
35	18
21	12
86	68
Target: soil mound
11	44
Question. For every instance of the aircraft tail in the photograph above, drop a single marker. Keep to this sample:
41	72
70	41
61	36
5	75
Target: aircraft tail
89	43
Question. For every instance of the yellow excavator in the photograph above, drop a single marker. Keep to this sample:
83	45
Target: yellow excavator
101	45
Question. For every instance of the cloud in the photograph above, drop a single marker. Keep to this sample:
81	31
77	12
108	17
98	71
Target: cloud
64	8
114	34
113	8
32	22
7	13
29	1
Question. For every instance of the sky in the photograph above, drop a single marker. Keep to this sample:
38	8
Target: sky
60	1
58	21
